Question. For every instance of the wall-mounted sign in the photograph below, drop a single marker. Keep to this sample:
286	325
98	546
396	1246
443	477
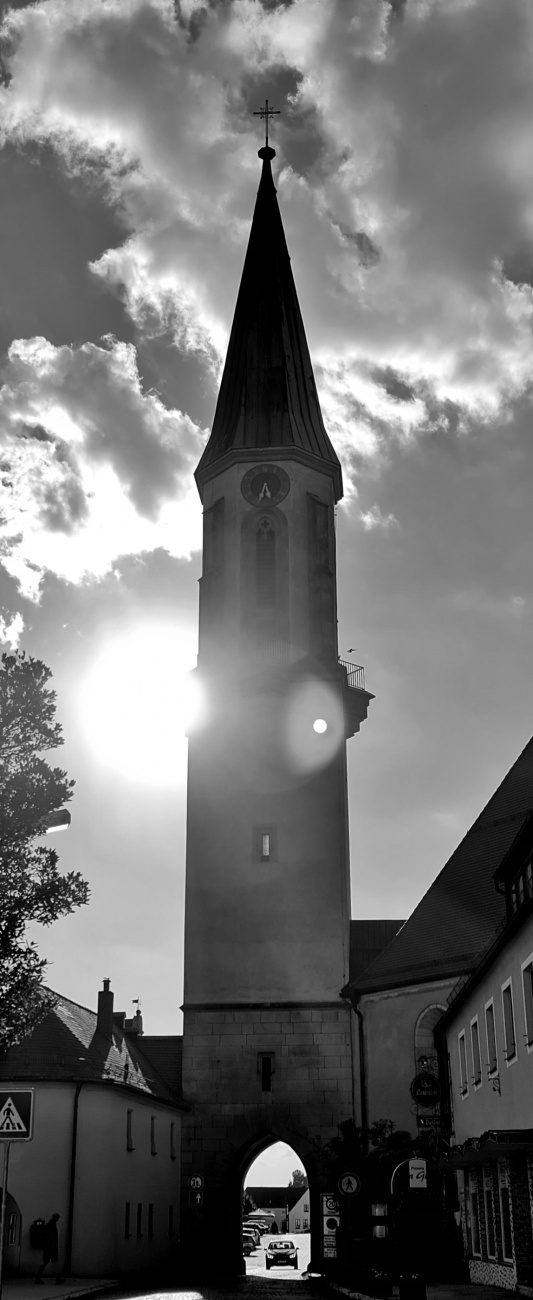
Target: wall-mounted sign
349	1184
418	1174
425	1089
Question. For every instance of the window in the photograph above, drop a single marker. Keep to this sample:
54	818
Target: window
488	1193
472	1212
139	1219
505	1212
171	1220
264	843
129	1131
306	1224
476	1054
150	1220
172	1141
527	990
12	1229
463	1072
265	565
127	1219
306	1207
492	1053
153	1145
297	1223
266	1069
508	1022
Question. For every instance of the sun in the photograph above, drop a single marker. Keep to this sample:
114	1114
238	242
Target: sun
138	700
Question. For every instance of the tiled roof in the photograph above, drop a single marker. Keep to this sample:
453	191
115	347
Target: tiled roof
165	1052
67	1045
367	940
268	400
268	1198
461	909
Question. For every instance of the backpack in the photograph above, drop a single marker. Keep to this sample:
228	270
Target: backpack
37	1234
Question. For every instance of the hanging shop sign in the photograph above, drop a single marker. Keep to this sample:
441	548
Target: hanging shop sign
425	1089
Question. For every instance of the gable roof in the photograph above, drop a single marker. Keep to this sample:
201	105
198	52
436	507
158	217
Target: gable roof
68	1046
367	940
458	915
268	399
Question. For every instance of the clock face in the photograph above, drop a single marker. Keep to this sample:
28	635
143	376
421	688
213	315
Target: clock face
265	485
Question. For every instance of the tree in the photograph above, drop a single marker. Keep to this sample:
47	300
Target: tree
299	1179
32	888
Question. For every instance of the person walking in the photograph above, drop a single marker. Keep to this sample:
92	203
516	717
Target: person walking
50	1247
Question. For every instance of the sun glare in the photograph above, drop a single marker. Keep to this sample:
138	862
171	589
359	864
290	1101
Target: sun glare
138	701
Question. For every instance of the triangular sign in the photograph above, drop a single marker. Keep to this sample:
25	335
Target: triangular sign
10	1121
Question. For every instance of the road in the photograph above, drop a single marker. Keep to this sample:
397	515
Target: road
255	1263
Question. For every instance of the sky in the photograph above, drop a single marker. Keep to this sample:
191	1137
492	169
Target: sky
129	173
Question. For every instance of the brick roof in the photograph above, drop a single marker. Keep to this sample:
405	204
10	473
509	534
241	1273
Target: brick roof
367	940
67	1045
461	909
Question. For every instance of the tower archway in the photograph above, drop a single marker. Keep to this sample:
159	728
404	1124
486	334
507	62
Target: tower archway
276	1213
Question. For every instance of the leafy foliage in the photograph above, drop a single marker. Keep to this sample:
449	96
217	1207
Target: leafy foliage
299	1179
32	889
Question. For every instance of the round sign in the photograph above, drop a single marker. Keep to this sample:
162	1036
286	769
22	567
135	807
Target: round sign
196	1182
425	1089
349	1184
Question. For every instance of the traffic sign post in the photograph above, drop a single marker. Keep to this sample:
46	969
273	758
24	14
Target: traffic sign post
349	1184
16	1115
330	1224
16	1125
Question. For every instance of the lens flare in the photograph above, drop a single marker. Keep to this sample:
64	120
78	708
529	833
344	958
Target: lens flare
314	726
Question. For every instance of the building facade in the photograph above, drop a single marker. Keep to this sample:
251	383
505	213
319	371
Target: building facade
487	1034
105	1150
268	1038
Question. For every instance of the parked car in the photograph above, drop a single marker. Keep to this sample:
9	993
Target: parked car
279	1253
254	1230
247	1246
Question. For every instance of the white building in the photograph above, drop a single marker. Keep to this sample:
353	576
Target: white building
105	1152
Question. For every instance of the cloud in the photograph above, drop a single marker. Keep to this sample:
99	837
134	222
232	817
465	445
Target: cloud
409	225
92	468
11	631
373	518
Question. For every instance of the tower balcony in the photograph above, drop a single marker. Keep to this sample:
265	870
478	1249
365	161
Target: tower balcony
356	698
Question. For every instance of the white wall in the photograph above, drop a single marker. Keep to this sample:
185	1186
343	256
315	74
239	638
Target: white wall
483	1107
107	1175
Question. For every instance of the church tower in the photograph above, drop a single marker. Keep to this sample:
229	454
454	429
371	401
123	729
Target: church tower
267	1050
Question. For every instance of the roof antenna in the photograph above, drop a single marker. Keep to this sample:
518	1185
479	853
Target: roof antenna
266	112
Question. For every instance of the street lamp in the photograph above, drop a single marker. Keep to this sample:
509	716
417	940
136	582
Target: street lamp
58	821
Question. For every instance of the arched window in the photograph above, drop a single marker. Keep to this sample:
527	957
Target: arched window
265	565
424	1044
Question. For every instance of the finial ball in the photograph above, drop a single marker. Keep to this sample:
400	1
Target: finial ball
266	152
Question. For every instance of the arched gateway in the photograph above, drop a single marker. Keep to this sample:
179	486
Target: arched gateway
267	1046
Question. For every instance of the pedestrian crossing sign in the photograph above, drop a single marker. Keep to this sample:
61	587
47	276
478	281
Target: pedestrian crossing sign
16	1115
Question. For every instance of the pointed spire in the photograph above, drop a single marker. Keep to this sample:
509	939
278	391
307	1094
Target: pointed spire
268	400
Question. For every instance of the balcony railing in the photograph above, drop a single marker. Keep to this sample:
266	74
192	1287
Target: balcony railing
355	673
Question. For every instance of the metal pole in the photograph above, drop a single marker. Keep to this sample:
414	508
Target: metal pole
3	1210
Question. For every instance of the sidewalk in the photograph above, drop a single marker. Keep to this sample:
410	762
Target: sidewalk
447	1291
24	1288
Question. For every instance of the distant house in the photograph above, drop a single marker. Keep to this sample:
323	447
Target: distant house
105	1153
276	1201
299	1217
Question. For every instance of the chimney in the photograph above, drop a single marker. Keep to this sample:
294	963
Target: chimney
134	1027
119	1018
104	1019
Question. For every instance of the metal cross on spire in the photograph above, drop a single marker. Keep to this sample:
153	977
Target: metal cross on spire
267	112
